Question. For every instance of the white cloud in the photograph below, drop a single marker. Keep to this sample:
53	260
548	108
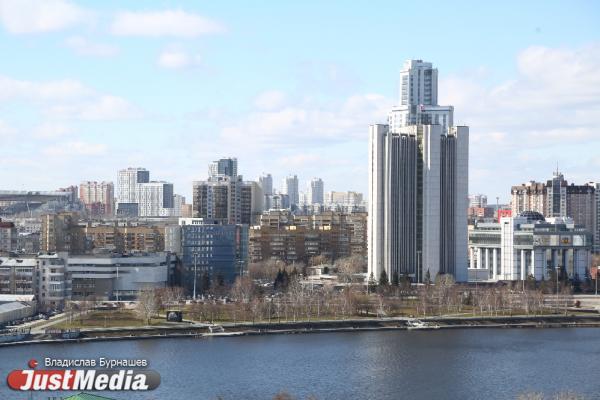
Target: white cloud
270	100
175	58
6	130
66	89
75	148
38	16
547	113
174	23
308	123
85	47
100	108
51	130
67	99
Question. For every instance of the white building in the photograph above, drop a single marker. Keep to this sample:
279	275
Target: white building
290	187
478	200
418	185
114	277
155	199
316	191
528	246
419	98
127	182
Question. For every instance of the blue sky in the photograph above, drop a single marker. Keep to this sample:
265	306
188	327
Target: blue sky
87	88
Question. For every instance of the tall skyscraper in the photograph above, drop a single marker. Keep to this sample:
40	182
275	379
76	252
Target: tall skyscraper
419	99
265	182
316	191
418	188
290	187
98	197
127	183
223	166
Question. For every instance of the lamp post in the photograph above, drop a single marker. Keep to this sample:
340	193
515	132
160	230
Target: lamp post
596	281
195	269
557	271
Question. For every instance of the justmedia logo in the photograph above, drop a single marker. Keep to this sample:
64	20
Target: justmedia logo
82	379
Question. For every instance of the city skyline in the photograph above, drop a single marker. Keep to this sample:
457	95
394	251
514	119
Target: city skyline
173	98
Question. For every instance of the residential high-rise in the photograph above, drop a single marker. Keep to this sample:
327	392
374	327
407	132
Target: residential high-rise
98	197
223	166
418	186
478	200
530	196
155	199
315	191
558	198
419	98
228	200
290	187
127	182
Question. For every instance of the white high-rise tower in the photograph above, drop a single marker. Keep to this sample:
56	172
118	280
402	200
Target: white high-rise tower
419	99
315	191
418	188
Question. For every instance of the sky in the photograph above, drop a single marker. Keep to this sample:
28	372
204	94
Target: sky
89	87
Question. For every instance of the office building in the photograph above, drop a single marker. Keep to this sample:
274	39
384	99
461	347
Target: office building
209	250
528	246
265	182
116	276
418	181
98	197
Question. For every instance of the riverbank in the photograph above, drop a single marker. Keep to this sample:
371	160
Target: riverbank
204	331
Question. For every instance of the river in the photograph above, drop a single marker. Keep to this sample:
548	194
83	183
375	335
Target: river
444	364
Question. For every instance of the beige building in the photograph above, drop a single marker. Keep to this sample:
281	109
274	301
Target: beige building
283	236
98	197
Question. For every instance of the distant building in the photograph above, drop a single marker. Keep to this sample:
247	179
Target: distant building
123	238
98	197
346	202
59	233
478	201
127	182
8	236
558	198
155	199
527	245
223	166
290	188
228	200
316	191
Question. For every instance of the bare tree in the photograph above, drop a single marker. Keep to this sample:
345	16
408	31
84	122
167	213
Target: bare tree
147	304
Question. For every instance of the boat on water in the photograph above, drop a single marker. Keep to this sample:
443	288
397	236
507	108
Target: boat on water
420	325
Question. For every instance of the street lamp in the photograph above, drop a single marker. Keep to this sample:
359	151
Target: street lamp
557	271
596	281
195	270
